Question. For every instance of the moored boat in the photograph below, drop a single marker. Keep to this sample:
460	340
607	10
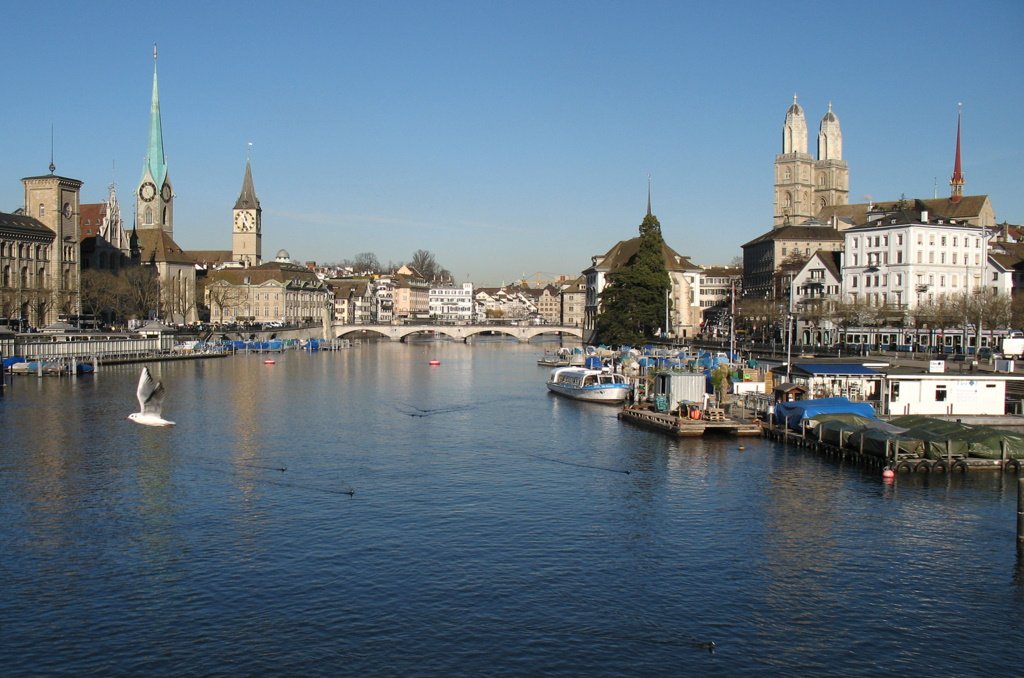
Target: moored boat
599	386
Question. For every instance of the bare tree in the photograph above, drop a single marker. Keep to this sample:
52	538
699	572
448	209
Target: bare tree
425	262
139	292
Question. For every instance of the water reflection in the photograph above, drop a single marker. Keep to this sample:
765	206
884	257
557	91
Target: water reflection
486	514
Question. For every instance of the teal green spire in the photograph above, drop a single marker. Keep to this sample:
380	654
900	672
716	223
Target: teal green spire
155	162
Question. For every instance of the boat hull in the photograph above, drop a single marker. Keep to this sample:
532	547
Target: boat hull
612	393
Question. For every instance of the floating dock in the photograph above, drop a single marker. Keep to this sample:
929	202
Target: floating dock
898	462
682	427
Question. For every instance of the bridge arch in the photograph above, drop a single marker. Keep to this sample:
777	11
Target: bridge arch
522	333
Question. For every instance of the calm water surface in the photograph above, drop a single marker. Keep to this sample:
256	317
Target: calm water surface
492	529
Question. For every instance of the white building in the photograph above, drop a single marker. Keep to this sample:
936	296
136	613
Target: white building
911	258
449	303
814	294
940	393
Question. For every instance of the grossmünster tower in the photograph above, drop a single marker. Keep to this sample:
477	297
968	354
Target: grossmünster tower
804	185
154	199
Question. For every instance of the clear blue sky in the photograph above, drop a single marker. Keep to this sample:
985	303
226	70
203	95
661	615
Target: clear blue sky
508	138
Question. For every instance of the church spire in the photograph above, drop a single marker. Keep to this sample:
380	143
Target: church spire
956	182
247	198
155	162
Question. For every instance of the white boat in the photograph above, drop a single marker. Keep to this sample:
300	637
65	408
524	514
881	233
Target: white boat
598	386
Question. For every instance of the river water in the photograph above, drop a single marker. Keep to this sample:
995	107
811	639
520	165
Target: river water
364	513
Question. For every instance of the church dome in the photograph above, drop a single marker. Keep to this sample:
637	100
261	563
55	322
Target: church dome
282	255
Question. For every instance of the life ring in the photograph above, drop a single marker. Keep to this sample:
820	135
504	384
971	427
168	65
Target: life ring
939	467
1011	464
904	467
923	466
959	466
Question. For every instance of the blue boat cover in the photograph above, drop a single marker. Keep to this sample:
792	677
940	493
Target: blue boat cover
795	411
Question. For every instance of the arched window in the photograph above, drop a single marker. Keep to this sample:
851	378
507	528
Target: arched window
7	276
788	200
149	216
24	277
789	174
41	278
42	210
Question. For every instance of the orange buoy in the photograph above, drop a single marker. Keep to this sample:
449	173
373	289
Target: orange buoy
435	363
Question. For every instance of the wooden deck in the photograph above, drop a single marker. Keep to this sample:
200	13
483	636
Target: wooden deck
683	428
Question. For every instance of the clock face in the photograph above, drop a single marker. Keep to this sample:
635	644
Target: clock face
244	221
147	191
165	192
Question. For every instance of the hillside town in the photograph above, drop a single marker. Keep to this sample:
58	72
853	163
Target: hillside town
908	273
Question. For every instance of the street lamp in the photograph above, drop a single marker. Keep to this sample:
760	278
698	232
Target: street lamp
789	344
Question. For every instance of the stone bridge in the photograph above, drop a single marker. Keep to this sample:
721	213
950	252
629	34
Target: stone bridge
464	333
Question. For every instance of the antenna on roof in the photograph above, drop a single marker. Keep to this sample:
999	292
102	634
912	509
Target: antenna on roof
52	166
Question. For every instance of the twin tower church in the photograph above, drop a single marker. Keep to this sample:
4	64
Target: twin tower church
805	185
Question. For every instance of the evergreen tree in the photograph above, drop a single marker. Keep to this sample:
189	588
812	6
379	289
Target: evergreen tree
633	300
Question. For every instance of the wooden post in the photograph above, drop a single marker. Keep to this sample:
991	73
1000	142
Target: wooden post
1002	449
949	456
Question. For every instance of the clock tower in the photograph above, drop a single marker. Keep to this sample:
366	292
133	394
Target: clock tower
154	198
247	231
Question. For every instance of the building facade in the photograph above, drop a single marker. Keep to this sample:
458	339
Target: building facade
451	304
277	291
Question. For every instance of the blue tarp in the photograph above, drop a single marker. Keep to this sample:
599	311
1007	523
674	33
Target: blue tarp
794	412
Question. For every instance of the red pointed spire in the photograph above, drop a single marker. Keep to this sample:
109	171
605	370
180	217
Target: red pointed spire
956	183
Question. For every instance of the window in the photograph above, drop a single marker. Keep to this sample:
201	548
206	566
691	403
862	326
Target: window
899	256
940	393
942	241
42	211
954	258
899	240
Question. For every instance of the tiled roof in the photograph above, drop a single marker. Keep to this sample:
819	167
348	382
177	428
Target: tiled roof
156	244
624	250
211	256
805	233
20	224
272	271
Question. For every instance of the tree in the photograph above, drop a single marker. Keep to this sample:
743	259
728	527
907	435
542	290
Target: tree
139	292
633	301
425	262
365	262
98	292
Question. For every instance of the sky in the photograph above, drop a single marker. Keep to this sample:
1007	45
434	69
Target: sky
513	140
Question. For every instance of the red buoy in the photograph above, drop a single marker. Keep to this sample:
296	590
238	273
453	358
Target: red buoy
268	361
435	363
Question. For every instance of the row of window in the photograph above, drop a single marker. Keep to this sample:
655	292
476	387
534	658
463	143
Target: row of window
24	250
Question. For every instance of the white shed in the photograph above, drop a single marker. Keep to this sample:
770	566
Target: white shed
933	393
